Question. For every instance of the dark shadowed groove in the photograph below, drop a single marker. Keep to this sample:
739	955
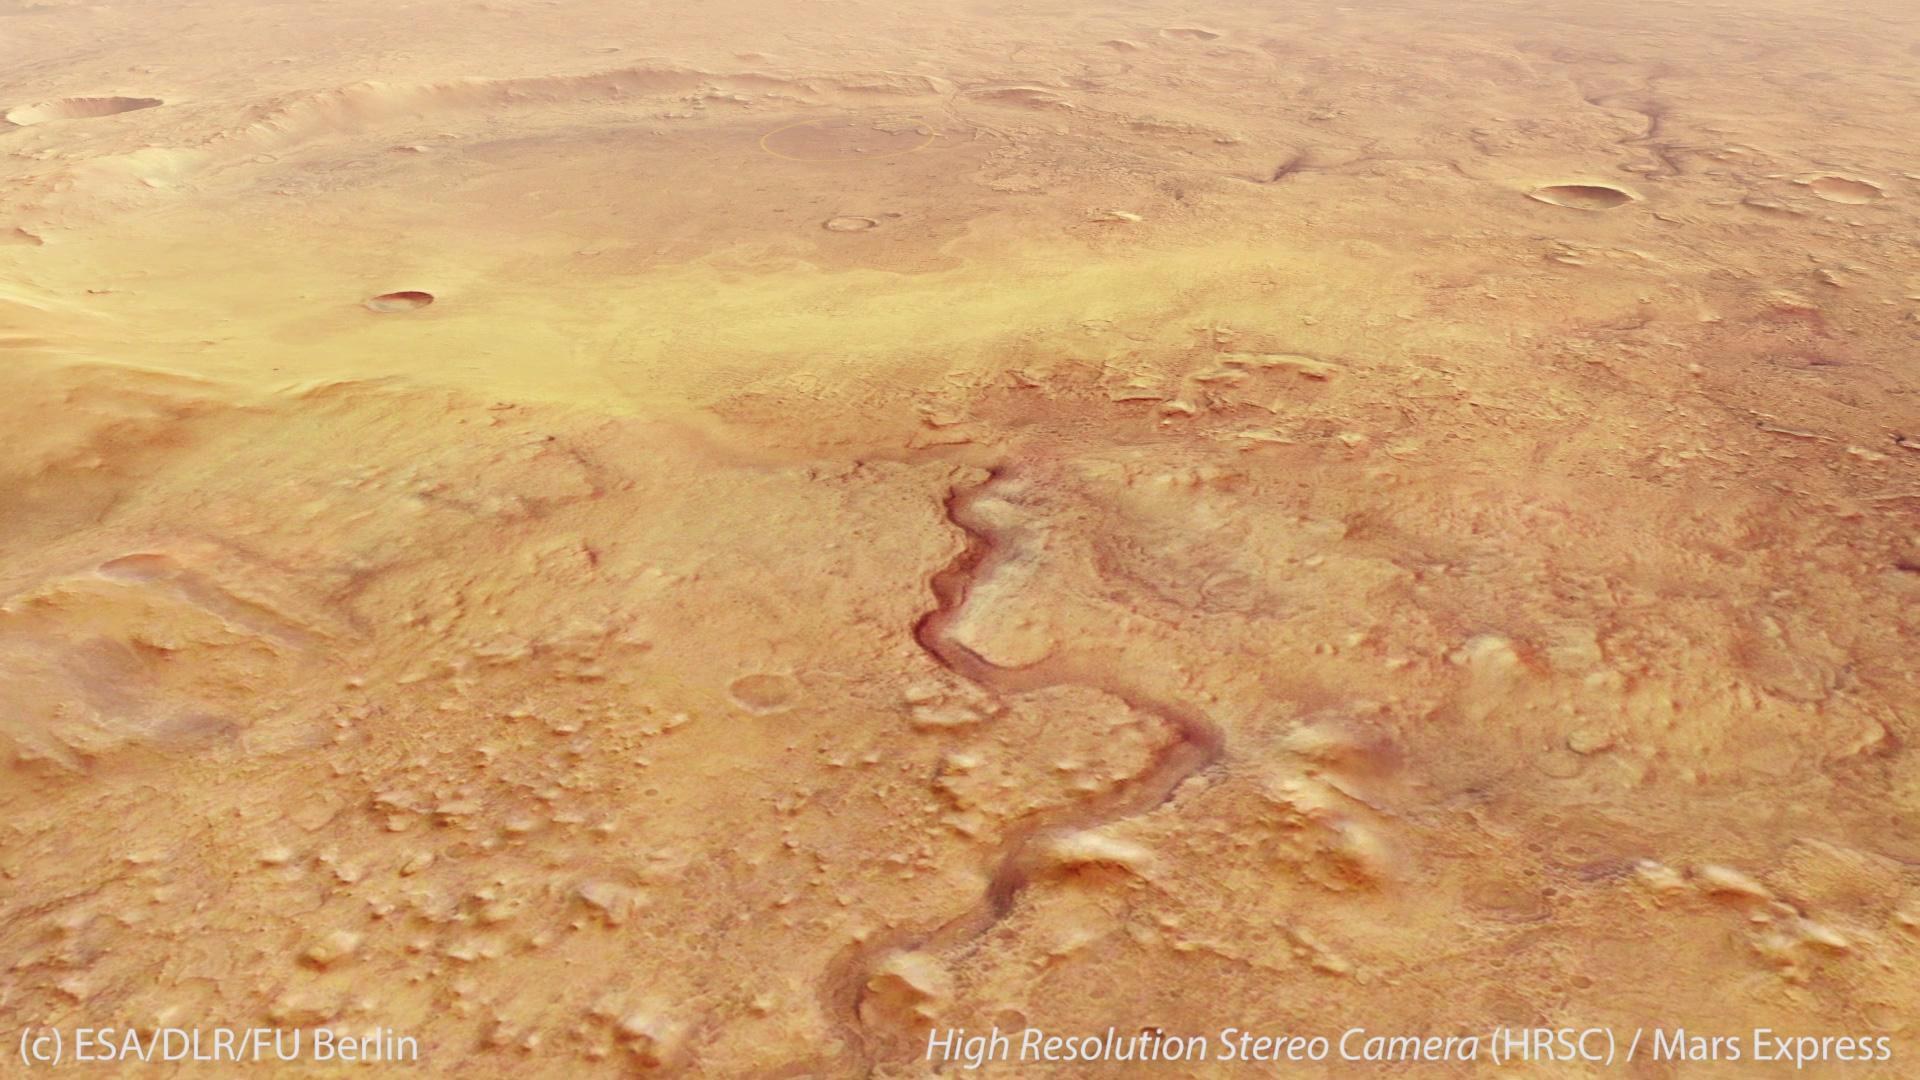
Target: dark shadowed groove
1197	746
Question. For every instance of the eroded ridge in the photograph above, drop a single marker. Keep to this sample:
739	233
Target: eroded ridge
1020	860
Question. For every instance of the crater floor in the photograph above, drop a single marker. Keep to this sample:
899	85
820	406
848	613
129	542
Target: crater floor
722	539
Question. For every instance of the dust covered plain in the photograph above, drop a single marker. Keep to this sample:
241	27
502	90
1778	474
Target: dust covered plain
715	539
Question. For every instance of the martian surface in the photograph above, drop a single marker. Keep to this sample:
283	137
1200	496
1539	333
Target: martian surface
729	539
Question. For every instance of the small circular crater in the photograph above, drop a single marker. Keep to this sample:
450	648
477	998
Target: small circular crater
763	692
1582	196
848	223
1509	901
77	108
1230	590
1845	189
404	300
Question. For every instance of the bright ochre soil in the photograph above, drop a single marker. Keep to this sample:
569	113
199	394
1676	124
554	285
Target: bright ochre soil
713	539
